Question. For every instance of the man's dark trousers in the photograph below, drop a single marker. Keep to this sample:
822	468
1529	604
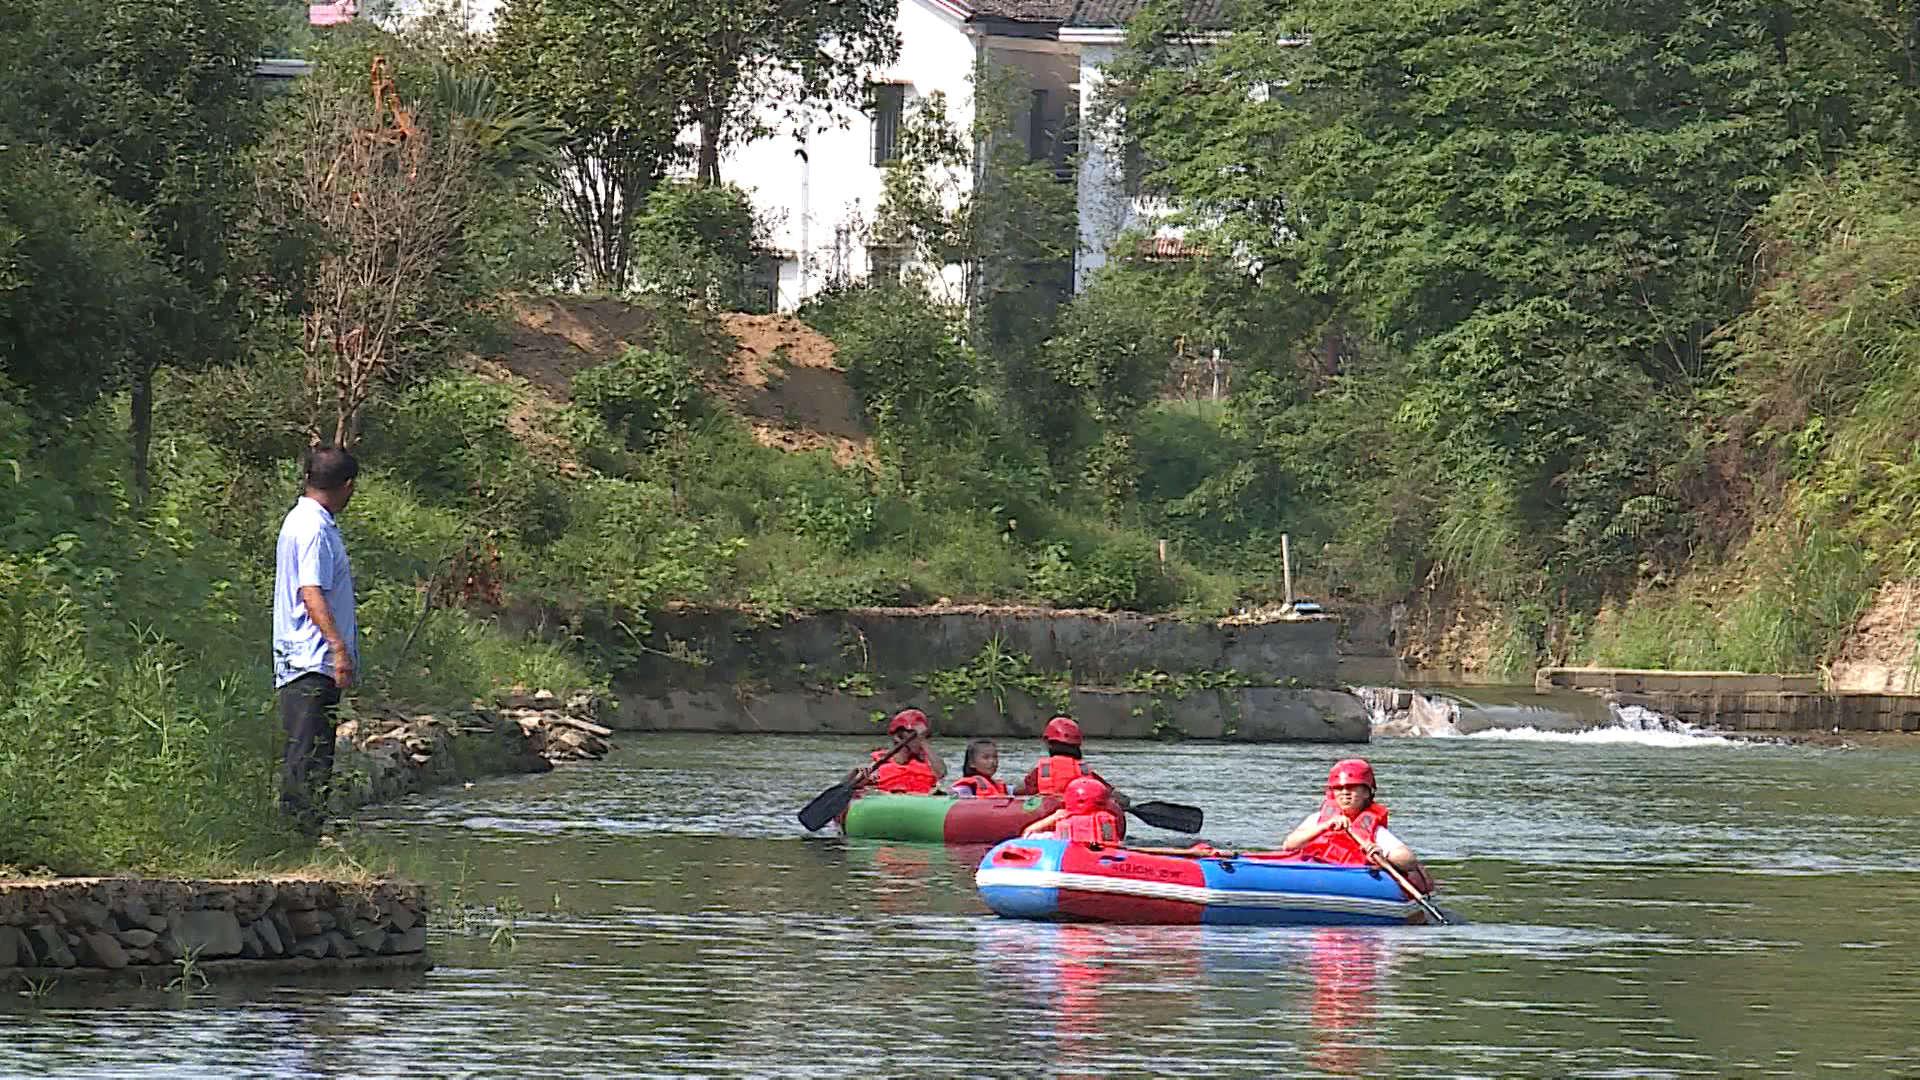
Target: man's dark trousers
307	708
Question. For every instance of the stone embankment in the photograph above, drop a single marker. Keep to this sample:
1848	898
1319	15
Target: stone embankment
158	930
387	752
1245	714
1741	701
695	648
1123	676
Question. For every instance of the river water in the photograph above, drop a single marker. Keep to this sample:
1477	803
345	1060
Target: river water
1641	904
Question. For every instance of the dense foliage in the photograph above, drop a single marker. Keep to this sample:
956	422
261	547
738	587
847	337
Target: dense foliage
1596	313
1516	228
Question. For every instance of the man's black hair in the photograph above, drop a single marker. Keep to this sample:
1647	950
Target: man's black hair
1060	749
329	468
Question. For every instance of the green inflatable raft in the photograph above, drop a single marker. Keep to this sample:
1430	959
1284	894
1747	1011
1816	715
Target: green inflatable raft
942	819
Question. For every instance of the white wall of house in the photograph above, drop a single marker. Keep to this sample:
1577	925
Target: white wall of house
1107	207
820	192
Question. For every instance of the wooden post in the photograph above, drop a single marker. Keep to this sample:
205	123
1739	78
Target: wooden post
1286	567
1163	551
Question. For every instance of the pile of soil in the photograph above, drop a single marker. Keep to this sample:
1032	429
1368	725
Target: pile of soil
784	380
781	377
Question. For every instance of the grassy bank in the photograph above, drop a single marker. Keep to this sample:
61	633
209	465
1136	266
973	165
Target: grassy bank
136	722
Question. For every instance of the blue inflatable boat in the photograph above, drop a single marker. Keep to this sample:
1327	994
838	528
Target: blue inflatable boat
1057	881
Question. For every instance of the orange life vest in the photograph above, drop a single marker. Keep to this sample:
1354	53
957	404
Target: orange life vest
979	786
1099	827
1342	846
1054	773
914	778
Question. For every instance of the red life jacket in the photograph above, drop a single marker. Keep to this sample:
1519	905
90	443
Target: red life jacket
1342	846
1054	773
979	786
1099	827
914	778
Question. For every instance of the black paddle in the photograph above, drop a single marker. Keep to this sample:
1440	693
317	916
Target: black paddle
828	804
1173	817
1419	897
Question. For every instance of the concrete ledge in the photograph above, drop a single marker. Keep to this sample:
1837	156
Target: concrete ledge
1248	714
1650	681
898	644
1761	711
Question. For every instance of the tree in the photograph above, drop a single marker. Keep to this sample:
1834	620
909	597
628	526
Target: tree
1529	215
78	282
739	60
607	77
383	192
158	102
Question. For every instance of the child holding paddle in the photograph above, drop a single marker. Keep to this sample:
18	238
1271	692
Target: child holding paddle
1062	765
912	766
1350	828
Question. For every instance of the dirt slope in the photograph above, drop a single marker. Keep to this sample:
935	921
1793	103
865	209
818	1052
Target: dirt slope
781	378
1878	655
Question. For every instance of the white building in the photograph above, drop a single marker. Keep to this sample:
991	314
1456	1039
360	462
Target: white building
820	192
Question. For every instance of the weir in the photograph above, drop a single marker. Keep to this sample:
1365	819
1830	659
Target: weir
1742	701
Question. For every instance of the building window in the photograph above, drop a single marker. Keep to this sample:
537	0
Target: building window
1037	141
885	262
888	109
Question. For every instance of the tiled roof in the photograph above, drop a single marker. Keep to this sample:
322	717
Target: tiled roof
1025	11
1114	14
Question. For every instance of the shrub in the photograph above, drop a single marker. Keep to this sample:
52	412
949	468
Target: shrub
700	243
643	395
1116	574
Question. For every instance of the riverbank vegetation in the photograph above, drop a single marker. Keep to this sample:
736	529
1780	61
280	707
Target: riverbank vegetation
1600	321
1597	315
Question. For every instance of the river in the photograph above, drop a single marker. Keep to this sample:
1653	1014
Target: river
1641	904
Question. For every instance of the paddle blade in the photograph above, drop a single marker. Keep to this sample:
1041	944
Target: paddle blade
826	806
1170	816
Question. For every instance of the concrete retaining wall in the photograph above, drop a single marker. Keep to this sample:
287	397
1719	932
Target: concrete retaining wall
900	643
1250	714
1644	681
78	926
1764	711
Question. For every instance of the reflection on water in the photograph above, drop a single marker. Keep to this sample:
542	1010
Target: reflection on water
1685	910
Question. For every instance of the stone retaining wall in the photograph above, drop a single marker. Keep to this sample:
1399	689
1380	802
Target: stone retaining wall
1786	712
77	926
1248	714
898	644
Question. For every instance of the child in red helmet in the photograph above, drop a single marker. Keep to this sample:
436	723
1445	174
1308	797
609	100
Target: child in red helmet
1350	828
912	767
976	771
1061	767
1084	818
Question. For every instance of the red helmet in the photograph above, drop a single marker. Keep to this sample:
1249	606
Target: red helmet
907	718
1084	795
1350	771
1062	729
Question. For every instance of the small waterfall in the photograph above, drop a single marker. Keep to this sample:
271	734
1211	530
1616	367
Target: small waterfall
1398	711
1570	716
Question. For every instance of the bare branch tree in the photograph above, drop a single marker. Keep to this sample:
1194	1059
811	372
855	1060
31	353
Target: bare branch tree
384	198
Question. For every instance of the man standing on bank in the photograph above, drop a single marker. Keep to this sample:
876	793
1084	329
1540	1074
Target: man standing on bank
316	642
